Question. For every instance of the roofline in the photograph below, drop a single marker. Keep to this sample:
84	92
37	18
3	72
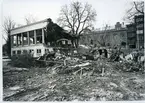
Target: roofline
111	30
107	31
30	24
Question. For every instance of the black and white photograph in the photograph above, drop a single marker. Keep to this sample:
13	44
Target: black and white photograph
72	50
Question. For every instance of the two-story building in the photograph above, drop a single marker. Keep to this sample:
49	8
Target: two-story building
31	39
139	22
135	33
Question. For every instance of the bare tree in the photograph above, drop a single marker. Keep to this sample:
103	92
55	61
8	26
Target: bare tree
77	18
18	25
108	39
102	38
7	26
30	19
115	40
136	9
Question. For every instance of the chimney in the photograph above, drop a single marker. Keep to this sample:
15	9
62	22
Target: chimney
118	26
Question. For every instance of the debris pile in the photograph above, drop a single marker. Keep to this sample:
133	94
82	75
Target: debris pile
129	66
96	60
91	76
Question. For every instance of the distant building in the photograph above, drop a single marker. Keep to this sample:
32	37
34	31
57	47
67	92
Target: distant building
131	36
139	22
116	35
135	33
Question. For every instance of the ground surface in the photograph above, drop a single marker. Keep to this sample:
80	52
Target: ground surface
44	84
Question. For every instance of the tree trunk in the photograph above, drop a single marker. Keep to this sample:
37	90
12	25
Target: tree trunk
76	43
9	45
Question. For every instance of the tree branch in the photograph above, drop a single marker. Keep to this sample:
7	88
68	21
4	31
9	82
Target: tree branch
136	7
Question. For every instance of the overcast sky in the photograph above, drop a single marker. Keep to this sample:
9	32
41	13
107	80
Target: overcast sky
108	11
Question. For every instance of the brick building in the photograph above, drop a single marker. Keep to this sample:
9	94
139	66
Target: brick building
114	36
139	22
135	33
131	35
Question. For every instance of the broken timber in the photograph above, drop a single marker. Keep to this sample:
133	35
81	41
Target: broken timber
50	61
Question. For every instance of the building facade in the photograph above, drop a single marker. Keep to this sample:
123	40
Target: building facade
139	22
135	33
31	39
114	36
131	35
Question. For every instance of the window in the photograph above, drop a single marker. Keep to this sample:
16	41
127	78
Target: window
31	37
69	41
141	37
38	50
31	51
19	39
139	19
14	52
132	41
131	28
24	51
123	43
19	52
39	36
25	38
139	31
14	38
131	35
139	26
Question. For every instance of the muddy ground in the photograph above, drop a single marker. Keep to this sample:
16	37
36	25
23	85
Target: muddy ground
45	84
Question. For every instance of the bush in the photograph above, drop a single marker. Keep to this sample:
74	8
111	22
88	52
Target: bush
24	60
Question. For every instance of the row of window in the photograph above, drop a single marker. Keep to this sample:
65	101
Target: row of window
139	19
31	51
139	32
22	38
139	26
141	37
25	51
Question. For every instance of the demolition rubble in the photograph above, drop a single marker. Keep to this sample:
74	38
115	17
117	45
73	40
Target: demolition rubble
82	59
80	74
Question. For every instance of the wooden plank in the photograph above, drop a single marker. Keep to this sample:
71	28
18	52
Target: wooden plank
49	61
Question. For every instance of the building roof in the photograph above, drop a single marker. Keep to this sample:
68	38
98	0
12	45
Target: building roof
45	20
30	27
107	31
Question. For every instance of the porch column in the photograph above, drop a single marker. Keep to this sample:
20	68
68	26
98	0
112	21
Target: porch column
43	36
28	38
12	40
35	39
22	39
16	39
137	42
